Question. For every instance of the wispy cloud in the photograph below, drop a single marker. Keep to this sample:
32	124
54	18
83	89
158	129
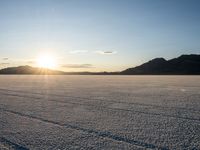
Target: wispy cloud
77	66
78	51
106	52
101	52
6	58
3	64
30	62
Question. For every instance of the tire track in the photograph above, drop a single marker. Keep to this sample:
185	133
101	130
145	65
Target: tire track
104	134
108	108
8	144
102	100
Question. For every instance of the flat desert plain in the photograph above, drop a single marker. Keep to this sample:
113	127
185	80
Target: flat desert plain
99	112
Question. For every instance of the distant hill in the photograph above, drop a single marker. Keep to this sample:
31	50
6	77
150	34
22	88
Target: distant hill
29	70
183	65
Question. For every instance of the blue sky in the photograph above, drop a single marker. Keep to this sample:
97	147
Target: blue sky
97	35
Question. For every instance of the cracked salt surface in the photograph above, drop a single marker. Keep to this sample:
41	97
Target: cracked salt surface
99	112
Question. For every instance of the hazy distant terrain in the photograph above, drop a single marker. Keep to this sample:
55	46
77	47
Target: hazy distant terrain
182	65
99	112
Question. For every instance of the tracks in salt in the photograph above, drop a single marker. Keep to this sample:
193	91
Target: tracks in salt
103	107
102	100
9	145
104	134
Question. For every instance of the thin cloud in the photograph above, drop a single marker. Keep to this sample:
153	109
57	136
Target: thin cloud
106	52
3	64
5	58
78	51
30	62
78	66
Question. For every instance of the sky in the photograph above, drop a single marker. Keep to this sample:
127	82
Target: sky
96	35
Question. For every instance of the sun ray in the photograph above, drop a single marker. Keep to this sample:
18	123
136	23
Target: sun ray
46	61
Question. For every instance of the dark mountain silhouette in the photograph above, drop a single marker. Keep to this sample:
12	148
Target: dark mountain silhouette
44	71
29	70
183	65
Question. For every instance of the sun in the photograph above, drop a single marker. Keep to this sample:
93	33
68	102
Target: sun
46	61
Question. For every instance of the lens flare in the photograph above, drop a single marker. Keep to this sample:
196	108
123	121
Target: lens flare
46	61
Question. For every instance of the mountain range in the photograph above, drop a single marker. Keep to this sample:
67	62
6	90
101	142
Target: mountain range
183	65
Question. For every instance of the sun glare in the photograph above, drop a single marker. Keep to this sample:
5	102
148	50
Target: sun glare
46	61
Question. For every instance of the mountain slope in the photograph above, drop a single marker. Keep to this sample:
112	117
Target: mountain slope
185	64
29	70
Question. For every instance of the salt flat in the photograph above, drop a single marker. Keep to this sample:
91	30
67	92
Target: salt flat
99	112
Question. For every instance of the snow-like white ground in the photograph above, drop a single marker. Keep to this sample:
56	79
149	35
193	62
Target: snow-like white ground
99	112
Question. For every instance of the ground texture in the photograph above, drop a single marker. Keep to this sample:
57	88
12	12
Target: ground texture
99	112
